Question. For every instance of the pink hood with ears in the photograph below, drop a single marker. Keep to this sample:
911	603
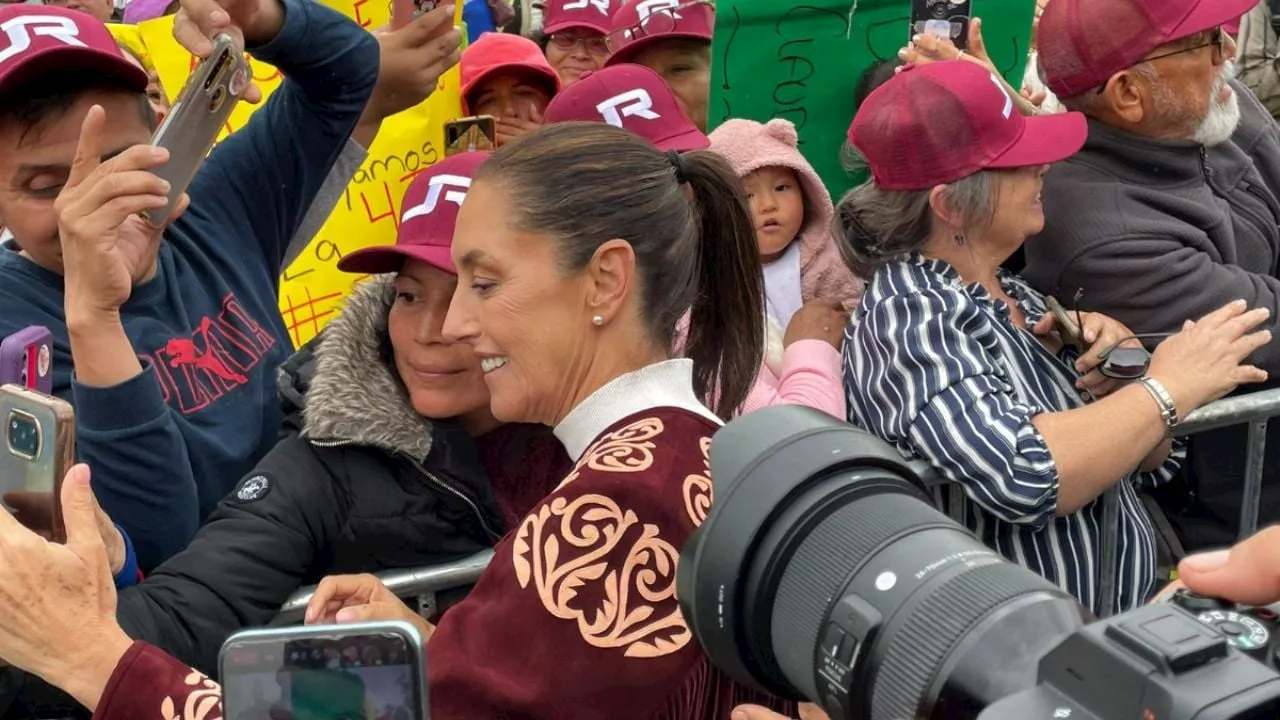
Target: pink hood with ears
749	146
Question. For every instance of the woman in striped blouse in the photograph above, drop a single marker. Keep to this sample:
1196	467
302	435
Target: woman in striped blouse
955	361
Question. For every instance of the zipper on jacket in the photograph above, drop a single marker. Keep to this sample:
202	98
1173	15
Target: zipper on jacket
447	487
1204	163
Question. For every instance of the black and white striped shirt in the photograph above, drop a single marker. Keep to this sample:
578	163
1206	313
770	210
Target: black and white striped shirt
939	369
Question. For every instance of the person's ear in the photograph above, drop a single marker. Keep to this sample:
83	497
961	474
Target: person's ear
1128	94
942	207
611	275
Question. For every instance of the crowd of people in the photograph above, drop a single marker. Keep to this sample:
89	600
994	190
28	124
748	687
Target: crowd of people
538	364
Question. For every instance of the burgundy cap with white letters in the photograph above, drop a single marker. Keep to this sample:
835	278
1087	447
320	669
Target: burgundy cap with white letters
428	214
42	41
938	123
631	97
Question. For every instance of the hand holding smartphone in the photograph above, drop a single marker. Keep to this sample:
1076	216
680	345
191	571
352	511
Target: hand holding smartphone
197	117
39	448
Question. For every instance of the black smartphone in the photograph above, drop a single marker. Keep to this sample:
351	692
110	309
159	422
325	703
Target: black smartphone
325	672
469	134
944	18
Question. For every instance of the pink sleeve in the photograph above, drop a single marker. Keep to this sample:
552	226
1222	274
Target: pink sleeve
811	376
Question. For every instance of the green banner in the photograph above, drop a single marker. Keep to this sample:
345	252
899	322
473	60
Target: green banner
802	61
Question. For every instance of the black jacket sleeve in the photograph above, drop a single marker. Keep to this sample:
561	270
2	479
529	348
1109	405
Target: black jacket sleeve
258	547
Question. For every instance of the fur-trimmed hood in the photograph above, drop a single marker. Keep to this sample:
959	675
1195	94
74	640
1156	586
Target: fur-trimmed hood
353	395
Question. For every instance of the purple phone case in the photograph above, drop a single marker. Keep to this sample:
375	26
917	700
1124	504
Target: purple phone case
13	358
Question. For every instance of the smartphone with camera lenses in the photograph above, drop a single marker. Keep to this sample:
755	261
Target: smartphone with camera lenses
197	117
944	18
39	448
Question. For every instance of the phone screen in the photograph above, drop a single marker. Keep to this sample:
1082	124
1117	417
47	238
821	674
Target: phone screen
358	677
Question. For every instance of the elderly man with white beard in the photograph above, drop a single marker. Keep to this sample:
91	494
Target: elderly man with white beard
1171	208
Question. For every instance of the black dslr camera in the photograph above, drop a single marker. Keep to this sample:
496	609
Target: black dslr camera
824	572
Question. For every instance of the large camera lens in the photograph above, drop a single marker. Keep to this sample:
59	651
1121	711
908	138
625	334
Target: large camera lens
824	572
23	435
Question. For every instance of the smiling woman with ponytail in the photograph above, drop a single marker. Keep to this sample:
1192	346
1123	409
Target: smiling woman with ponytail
578	248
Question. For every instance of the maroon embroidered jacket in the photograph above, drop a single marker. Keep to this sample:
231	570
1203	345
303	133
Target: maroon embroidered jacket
576	617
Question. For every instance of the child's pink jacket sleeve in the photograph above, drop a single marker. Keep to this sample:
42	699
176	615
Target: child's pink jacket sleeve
811	376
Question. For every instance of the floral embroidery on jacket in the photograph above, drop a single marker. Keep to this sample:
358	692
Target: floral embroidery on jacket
697	489
204	702
627	450
563	549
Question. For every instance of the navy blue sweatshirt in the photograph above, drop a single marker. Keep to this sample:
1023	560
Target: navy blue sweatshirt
167	445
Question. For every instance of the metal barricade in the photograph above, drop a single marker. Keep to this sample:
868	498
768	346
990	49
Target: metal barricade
422	585
418	586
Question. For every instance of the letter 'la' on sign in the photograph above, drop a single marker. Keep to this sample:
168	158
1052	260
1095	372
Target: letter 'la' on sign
453	187
801	60
20	30
633	103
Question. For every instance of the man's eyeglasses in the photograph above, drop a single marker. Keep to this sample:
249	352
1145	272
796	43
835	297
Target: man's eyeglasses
566	41
659	22
1219	40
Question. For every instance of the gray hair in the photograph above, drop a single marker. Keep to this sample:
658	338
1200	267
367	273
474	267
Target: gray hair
876	227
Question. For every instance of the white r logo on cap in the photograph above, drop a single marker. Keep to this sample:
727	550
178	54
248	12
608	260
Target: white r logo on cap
20	29
601	5
435	186
645	8
1008	101
633	103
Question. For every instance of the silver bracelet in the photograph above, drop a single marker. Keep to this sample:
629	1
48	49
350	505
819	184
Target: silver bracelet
1168	408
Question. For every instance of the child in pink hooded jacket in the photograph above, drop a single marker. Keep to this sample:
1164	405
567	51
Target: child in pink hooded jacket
809	291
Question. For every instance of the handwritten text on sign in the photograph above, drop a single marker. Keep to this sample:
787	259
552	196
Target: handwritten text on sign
312	288
801	61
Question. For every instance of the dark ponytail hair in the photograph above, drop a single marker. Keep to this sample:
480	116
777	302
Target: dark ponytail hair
686	219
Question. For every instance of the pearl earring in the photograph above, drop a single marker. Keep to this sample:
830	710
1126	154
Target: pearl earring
598	320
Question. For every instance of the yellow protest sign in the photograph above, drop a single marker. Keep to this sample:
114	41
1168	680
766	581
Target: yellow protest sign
312	288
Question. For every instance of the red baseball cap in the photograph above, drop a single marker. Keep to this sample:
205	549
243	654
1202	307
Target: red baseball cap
427	218
641	23
1082	43
42	40
495	53
594	15
938	123
631	97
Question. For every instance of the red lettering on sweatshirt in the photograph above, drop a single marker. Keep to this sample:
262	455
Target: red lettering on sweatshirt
218	357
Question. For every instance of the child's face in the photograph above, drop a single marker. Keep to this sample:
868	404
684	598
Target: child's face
777	206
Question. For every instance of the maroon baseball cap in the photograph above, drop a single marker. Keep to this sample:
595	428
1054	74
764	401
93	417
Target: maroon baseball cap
1082	43
42	40
641	23
558	15
938	123
631	97
427	218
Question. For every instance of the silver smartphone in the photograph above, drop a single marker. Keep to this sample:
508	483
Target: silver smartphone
361	671
197	117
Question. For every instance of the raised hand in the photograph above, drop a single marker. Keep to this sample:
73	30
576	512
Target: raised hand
254	22
107	246
413	59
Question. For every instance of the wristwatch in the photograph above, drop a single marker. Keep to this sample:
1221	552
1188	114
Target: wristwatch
1168	408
